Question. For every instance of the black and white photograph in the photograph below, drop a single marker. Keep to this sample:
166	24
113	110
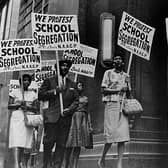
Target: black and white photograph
83	84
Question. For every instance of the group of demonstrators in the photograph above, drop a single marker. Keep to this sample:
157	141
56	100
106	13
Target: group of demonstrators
65	116
67	132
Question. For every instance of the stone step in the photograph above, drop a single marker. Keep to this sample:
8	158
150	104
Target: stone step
138	154
152	162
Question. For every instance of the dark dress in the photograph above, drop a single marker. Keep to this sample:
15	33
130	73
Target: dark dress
79	131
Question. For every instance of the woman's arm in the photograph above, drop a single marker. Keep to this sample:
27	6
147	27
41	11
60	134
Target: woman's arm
33	107
107	91
71	109
12	105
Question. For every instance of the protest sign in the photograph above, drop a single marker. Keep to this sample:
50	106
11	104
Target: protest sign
47	70
55	32
14	84
19	54
135	36
167	28
83	60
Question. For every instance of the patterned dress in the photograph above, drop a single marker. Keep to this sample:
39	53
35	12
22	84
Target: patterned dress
19	134
116	127
79	130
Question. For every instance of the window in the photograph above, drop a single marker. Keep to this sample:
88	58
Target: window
107	38
26	8
2	22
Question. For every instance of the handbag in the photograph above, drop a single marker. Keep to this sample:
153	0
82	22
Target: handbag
132	106
90	145
33	120
90	135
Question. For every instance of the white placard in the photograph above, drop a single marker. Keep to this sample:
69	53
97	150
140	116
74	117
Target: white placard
55	32
19	54
47	70
14	84
83	60
135	36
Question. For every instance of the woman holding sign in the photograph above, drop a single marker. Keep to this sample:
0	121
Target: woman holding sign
116	128
21	100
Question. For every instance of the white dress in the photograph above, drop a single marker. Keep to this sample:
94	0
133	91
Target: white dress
19	134
116	127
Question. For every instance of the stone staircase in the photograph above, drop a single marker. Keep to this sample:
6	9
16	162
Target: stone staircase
139	153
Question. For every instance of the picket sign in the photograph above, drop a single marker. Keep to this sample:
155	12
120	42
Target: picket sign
136	37
22	88
59	82
76	77
47	70
55	32
19	55
58	32
83	60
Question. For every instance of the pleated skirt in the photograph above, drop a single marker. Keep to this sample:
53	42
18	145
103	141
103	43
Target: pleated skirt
79	131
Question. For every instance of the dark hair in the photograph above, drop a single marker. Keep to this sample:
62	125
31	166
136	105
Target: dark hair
61	62
25	76
119	55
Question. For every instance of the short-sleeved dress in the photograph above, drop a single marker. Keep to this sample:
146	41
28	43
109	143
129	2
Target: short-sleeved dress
19	134
116	126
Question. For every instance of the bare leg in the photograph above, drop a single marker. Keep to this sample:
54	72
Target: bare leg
18	153
67	156
101	162
121	147
75	156
32	160
26	159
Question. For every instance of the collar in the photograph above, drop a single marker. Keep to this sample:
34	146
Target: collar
119	72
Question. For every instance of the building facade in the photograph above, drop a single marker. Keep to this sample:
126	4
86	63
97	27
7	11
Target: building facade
8	30
9	12
149	133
